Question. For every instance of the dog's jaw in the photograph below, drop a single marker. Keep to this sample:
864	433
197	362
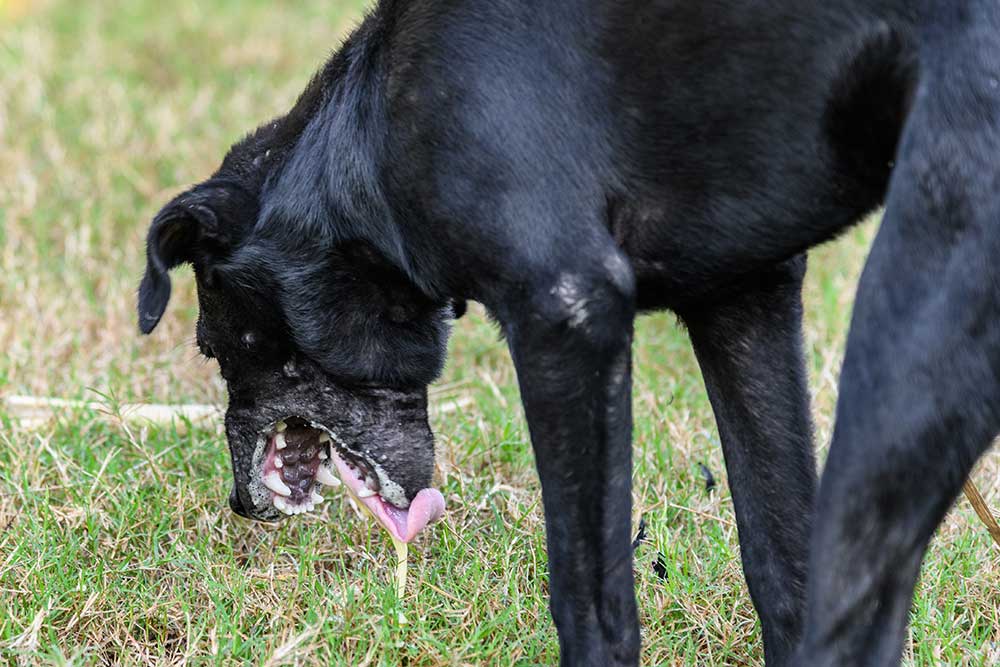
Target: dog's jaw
295	459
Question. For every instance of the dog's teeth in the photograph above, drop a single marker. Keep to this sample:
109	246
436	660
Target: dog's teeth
324	476
279	440
316	498
322	455
283	505
324	437
272	480
278	463
280	426
365	493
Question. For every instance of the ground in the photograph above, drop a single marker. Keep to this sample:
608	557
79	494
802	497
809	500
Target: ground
117	546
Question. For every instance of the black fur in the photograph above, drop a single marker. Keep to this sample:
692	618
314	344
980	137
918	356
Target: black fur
569	164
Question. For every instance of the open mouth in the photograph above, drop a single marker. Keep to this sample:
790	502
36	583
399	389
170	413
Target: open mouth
299	458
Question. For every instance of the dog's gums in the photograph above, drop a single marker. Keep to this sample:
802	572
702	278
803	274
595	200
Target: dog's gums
300	458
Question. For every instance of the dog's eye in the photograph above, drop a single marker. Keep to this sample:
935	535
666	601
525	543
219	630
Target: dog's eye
206	350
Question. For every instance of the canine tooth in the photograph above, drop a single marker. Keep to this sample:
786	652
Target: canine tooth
282	505
272	480
322	455
278	463
316	498
324	437
279	440
324	476
280	426
365	493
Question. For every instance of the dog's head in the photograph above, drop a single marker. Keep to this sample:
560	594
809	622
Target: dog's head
326	351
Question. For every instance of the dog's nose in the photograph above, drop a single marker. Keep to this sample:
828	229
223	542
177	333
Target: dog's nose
236	505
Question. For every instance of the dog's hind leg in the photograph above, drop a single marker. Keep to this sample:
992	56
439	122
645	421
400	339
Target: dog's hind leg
750	350
920	387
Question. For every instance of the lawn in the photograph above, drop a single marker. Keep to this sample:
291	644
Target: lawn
117	545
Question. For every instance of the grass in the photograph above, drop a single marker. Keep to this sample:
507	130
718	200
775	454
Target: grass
118	548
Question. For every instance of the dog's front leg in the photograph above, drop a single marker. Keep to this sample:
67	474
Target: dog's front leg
570	338
749	347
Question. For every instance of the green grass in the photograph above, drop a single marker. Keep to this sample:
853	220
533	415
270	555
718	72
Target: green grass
119	548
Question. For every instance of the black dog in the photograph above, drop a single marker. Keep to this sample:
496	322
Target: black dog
569	163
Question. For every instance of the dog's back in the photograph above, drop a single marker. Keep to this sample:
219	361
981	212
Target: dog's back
714	138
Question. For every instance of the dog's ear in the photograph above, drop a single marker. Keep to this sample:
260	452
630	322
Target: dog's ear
184	229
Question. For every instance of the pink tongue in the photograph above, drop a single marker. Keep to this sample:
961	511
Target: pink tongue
404	524
426	507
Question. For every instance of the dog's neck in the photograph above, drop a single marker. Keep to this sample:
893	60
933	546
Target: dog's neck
326	189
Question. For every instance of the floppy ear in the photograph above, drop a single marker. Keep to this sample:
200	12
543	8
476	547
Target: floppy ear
177	232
